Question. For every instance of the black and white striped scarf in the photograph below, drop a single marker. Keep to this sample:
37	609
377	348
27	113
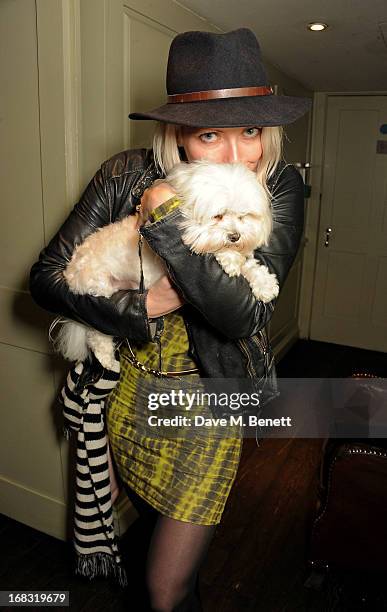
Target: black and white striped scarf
95	540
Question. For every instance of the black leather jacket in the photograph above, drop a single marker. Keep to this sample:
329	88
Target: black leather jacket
224	321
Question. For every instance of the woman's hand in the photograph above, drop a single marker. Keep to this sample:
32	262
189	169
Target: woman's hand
162	298
152	197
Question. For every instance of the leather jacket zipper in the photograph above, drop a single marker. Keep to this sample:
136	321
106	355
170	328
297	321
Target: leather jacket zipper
243	345
263	345
265	350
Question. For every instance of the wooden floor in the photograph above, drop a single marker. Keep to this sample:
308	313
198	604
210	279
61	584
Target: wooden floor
257	559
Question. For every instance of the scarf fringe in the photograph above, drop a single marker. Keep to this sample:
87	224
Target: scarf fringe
100	564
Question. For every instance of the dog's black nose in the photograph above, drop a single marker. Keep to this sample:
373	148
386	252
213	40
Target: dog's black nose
233	237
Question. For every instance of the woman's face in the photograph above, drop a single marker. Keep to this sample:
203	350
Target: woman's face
222	145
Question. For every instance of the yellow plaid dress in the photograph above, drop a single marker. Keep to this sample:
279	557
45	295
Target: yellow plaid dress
187	478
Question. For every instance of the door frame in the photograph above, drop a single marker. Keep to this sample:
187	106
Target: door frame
313	204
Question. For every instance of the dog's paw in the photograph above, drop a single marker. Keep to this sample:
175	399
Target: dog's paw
231	262
266	292
263	284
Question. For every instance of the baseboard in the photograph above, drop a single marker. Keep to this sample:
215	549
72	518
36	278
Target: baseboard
34	509
51	516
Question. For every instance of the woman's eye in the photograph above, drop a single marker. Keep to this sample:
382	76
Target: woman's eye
218	217
208	137
253	131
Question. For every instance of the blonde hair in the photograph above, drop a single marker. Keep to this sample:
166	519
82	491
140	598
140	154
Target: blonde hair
166	151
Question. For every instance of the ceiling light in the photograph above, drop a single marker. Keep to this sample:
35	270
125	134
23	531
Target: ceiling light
317	26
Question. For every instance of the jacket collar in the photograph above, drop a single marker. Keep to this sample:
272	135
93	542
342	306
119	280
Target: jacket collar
147	177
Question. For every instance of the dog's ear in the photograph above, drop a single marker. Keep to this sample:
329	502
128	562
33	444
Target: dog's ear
266	228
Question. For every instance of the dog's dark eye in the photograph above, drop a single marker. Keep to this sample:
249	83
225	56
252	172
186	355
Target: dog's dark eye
218	217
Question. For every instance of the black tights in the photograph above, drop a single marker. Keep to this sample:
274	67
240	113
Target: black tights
176	552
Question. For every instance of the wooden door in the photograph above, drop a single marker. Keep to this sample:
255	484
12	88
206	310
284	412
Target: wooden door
350	288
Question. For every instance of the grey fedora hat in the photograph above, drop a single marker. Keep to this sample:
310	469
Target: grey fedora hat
218	80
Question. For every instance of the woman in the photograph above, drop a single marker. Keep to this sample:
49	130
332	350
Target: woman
197	321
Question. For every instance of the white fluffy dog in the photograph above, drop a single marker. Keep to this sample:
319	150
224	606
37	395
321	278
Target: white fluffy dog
226	213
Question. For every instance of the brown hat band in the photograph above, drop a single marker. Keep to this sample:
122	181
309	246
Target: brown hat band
213	94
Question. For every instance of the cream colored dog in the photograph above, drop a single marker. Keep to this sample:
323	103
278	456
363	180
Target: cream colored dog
226	213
